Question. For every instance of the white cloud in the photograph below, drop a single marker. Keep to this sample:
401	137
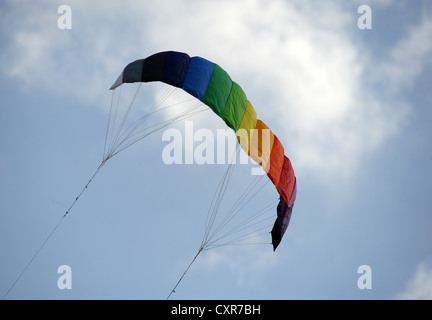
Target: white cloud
420	286
257	259
305	74
410	56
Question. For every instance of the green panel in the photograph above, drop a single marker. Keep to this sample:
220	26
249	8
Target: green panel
218	90
235	107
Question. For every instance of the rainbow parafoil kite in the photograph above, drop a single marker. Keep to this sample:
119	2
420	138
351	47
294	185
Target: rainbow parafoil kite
209	83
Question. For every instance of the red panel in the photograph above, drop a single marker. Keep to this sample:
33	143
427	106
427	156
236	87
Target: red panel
286	181
275	164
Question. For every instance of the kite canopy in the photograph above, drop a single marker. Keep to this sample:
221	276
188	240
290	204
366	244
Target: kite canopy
212	85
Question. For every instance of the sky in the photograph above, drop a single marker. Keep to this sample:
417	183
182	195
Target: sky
351	106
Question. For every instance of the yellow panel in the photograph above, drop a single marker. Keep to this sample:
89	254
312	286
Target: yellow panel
248	122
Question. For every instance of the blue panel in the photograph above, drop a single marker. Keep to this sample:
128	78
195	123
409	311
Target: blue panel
198	77
176	66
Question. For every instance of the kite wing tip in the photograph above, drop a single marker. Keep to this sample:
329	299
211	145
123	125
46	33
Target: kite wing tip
118	82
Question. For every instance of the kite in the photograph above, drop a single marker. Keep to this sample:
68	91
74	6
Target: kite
212	85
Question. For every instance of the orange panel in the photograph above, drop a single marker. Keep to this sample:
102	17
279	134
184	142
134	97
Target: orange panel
276	162
262	139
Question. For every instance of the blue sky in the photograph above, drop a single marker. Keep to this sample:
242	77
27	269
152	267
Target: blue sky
350	106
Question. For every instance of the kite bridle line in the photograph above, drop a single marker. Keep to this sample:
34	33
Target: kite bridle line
114	144
111	148
120	136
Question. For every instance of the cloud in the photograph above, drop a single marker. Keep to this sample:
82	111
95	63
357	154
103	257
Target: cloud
258	259
409	57
420	286
328	99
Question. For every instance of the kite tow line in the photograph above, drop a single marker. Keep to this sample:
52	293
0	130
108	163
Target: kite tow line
56	226
184	273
